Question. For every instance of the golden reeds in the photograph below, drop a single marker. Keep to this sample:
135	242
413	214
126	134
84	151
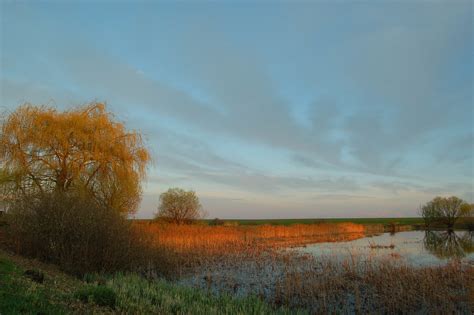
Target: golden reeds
220	239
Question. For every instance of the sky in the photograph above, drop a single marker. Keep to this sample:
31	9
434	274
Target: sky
267	109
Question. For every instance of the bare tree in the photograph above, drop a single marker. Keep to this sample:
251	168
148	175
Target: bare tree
179	206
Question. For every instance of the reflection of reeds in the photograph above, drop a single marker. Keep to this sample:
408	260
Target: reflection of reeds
380	246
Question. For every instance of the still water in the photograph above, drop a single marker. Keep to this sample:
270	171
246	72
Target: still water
416	248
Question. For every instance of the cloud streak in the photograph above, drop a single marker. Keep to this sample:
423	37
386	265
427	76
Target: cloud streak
288	103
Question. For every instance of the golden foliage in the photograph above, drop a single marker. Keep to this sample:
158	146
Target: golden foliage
83	149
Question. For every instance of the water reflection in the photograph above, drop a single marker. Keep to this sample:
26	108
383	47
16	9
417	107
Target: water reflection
449	244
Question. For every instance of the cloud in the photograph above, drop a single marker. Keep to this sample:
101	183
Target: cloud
380	97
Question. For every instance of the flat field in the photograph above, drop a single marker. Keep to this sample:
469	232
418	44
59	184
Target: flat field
401	221
384	221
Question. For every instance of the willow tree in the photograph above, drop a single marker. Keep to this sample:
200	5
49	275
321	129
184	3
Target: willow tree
84	149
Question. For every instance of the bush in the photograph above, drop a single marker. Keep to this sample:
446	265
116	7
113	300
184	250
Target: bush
100	295
74	232
216	222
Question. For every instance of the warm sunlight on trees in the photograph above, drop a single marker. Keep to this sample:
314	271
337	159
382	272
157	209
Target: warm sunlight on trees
179	206
82	149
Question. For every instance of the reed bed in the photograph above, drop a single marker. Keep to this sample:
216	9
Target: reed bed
258	261
222	239
382	286
356	285
178	250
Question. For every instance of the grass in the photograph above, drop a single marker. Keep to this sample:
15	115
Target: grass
118	294
20	295
98	294
14	296
135	295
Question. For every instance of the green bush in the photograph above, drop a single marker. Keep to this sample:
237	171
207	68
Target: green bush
100	295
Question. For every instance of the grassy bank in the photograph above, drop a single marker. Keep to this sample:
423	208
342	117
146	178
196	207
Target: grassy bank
19	294
59	293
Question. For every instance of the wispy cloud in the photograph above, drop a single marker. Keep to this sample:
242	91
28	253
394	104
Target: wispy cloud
306	99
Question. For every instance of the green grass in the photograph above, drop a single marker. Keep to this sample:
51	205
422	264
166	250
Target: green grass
135	295
98	294
20	296
120	294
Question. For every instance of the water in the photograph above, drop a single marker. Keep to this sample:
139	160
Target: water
264	275
416	248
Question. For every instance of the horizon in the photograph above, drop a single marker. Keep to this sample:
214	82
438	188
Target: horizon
267	110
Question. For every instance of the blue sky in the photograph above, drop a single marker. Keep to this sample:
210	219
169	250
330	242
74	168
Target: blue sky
266	109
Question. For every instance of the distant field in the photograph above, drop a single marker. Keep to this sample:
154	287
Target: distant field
384	221
339	220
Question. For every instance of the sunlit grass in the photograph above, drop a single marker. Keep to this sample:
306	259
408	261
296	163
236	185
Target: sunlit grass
223	239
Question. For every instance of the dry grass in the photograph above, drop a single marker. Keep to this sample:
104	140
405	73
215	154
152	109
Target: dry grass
178	250
367	286
221	239
357	285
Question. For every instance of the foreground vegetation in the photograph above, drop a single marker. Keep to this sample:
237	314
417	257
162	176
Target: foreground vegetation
369	286
121	293
356	284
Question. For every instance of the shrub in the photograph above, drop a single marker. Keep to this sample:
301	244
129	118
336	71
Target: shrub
100	295
74	232
216	222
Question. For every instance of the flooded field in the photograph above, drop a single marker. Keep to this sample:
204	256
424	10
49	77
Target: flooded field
415	248
379	272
